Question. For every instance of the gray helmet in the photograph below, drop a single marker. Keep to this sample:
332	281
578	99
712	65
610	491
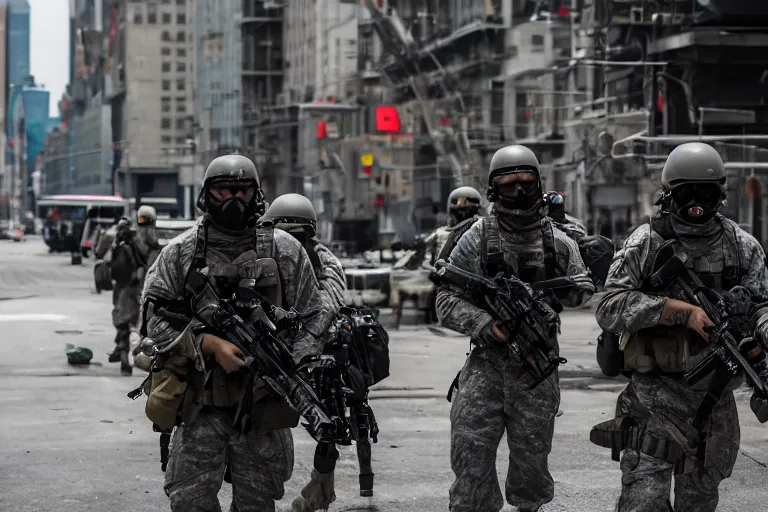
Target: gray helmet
292	209
509	160
229	168
468	193
146	215
693	162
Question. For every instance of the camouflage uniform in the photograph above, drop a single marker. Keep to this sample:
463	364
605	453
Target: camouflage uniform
330	275
493	394
261	461
125	297
571	227
723	256
646	480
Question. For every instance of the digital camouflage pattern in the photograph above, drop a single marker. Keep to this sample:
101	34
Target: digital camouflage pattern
624	308
200	452
330	275
259	464
125	298
493	393
452	236
571	227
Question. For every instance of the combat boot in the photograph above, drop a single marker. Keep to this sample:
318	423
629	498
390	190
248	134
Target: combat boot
122	345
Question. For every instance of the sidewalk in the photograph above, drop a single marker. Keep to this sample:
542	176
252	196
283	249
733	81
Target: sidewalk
424	364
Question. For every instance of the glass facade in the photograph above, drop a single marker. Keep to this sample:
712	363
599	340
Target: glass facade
18	41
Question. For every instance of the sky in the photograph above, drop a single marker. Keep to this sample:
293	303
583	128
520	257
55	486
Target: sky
49	43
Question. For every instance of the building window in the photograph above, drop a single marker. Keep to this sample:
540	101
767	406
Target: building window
181	67
166	139
167	19
181	99
181	108
181	85
166	67
181	19
181	123
137	15
181	52
165	104
180	36
166	36
180	2
152	14
166	85
165	123
165	51
181	141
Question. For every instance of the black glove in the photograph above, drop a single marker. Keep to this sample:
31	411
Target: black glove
759	406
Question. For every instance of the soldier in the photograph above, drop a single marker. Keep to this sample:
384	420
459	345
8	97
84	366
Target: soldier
564	222
463	209
666	336
295	214
493	394
133	252
227	245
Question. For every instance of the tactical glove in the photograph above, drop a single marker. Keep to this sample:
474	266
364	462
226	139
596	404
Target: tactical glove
583	283
759	406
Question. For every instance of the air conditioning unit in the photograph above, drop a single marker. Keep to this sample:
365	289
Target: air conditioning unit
636	15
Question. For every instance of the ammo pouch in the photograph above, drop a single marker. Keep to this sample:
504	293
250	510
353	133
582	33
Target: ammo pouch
609	356
270	412
624	433
165	397
663	349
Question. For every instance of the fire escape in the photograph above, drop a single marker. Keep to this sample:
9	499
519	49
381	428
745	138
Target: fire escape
451	144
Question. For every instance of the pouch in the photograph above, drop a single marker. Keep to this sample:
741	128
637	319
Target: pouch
165	398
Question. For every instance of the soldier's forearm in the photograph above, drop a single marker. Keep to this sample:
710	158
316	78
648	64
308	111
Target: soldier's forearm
629	310
460	315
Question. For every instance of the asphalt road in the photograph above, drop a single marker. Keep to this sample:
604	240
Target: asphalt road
70	440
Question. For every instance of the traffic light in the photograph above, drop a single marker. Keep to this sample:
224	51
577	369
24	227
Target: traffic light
367	163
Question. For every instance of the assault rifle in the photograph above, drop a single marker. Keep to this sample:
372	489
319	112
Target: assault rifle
527	321
733	351
267	357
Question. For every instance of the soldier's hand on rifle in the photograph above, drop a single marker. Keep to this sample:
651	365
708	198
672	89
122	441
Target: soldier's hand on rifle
227	354
677	312
583	282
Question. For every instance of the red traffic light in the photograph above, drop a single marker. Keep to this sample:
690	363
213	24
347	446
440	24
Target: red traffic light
367	169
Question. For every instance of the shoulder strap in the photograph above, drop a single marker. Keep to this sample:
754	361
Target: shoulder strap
492	257
733	254
551	266
265	242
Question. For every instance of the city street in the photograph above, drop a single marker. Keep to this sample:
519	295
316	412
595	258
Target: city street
72	441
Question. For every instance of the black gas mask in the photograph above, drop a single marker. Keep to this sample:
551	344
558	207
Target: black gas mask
462	208
232	205
695	203
518	194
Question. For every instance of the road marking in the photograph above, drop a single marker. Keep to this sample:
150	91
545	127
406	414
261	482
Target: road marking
32	317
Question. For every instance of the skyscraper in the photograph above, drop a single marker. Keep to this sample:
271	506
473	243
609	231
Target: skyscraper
18	41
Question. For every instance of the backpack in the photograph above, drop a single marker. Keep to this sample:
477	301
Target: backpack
362	345
125	261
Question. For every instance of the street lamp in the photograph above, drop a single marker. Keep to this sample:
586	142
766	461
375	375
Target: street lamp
195	130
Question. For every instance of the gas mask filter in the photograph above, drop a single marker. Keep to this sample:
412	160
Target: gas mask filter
696	203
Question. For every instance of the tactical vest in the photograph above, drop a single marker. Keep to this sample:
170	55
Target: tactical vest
492	255
261	265
674	349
